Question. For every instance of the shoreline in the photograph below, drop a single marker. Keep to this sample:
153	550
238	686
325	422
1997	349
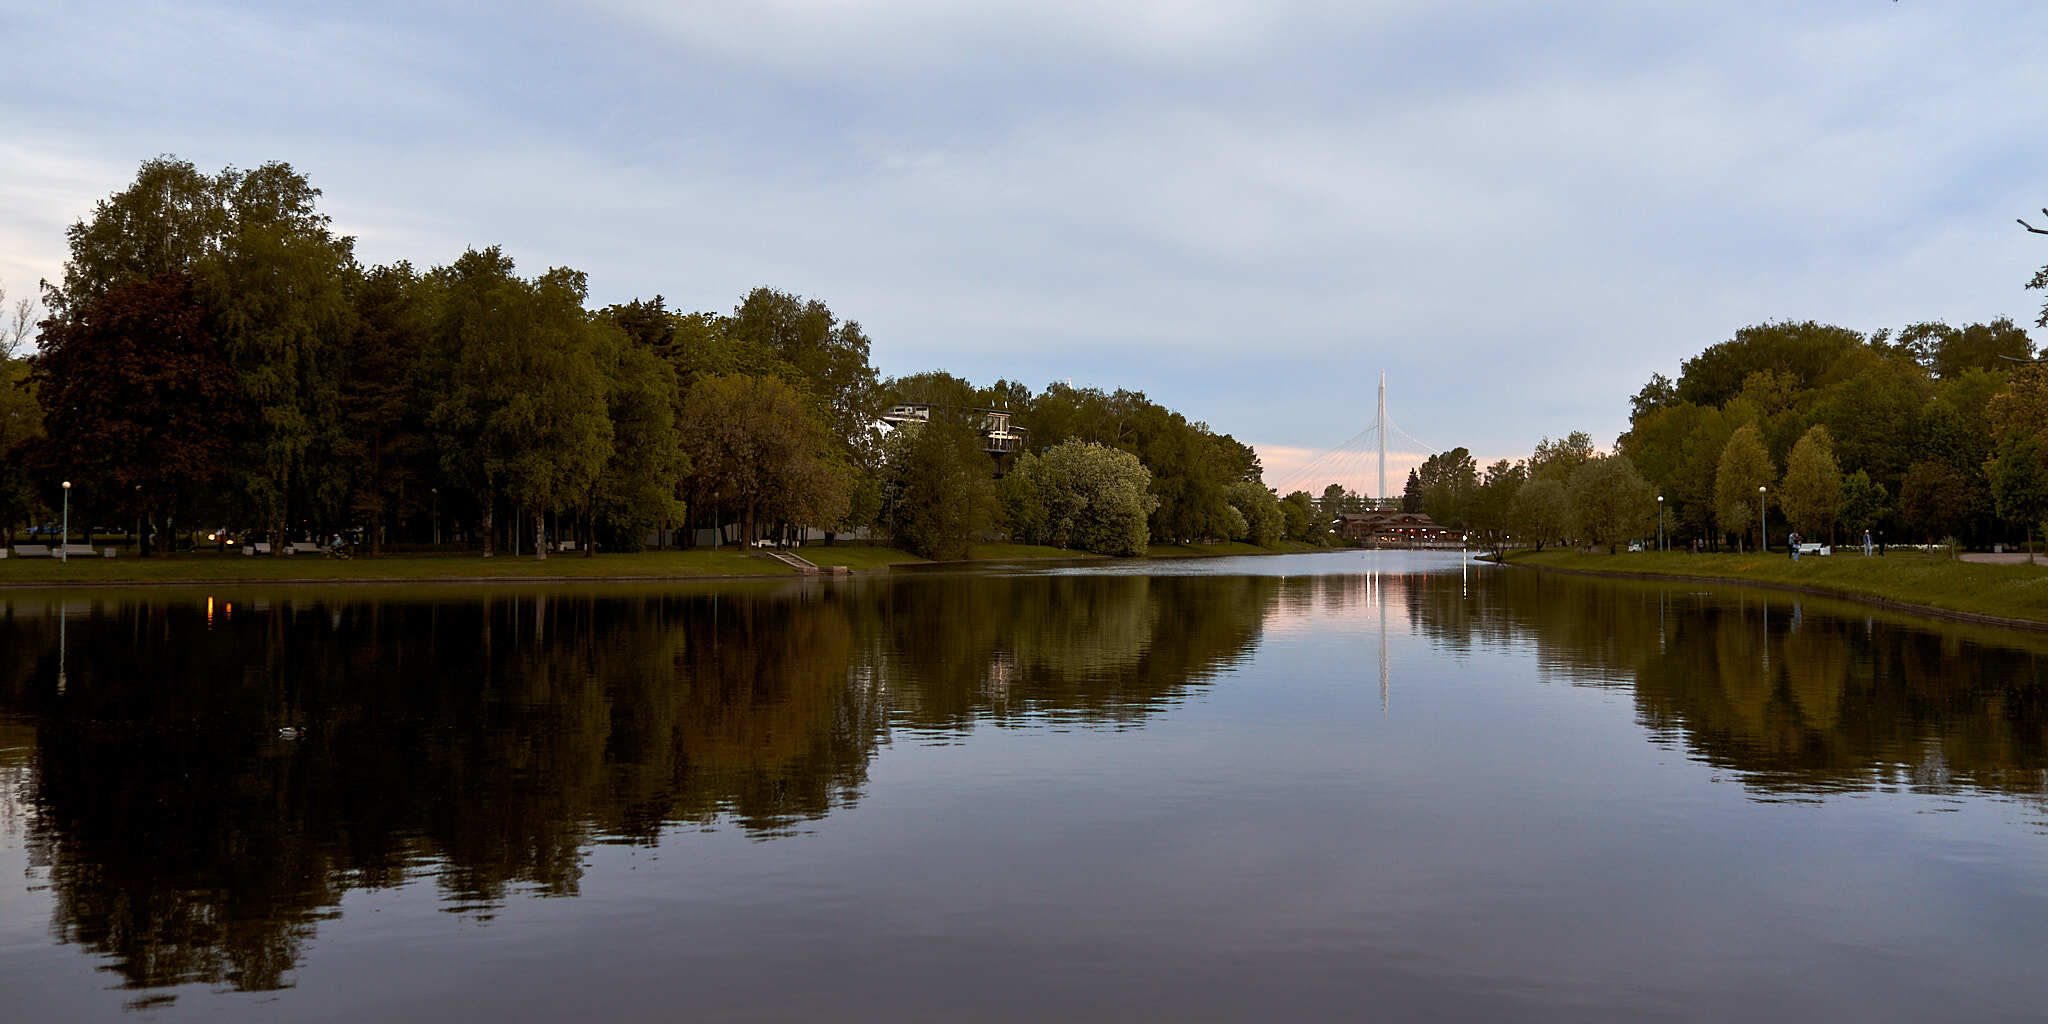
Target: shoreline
772	570
2029	625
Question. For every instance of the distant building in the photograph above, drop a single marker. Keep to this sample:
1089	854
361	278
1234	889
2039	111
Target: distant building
1396	529
998	435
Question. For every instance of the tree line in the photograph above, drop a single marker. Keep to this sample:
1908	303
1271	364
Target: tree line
1930	432
216	357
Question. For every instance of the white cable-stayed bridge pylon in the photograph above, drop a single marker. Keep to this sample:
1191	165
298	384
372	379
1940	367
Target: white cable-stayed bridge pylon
1354	455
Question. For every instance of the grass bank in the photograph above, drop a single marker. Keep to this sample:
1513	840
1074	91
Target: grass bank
726	563
2011	594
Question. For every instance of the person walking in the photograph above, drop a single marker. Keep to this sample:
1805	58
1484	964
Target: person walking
1792	541
1866	543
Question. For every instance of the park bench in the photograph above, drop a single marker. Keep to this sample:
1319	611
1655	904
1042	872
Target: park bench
301	547
1815	549
32	551
260	547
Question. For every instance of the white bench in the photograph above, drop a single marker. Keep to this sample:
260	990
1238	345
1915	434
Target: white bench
32	551
301	547
1815	549
79	551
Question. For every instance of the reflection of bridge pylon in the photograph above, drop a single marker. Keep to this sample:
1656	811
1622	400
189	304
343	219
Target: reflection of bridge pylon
1383	657
1350	459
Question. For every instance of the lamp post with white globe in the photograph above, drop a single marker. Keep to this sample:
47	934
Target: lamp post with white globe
1660	522
1763	532
65	541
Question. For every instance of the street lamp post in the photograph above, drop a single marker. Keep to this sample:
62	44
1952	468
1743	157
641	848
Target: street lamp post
1660	522
65	541
1763	532
437	515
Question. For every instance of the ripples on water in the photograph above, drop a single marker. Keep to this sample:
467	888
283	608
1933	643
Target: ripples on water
1230	788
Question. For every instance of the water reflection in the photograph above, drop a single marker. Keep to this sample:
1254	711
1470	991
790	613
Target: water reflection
212	777
200	781
1796	696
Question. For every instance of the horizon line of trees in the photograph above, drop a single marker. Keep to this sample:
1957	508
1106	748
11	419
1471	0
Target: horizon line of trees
216	358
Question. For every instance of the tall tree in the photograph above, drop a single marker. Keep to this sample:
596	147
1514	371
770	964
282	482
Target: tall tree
1812	489
276	278
939	491
522	414
2019	481
758	447
1744	470
138	399
1865	503
636	491
1260	509
1610	502
21	420
381	444
1541	511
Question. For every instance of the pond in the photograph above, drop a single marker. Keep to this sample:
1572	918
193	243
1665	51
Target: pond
1356	784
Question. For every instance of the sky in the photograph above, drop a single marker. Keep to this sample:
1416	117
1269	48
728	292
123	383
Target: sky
1247	210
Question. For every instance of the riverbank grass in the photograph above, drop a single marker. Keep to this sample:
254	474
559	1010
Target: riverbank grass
207	566
1908	577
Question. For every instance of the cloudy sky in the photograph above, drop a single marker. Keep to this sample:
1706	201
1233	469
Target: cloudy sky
1248	210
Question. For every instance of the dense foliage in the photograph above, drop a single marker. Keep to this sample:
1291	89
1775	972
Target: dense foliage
216	357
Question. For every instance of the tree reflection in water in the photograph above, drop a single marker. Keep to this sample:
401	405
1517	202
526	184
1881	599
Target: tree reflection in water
1797	696
208	782
213	775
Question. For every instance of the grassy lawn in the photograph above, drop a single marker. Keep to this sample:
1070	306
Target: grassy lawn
209	567
2007	591
1015	552
857	557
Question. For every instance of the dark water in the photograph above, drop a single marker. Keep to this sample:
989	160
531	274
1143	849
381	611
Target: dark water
1367	786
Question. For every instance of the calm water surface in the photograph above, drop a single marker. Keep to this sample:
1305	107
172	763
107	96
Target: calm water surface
1367	785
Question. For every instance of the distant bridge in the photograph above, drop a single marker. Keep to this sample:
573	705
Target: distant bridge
1354	455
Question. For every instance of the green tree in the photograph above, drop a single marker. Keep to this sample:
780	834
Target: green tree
939	495
760	448
1812	490
1934	499
521	415
636	491
830	354
1556	460
1260	509
1541	511
1448	480
1609	501
1298	518
1412	498
2019	481
381	445
276	280
138	400
1865	503
21	419
1493	503
1083	495
1806	350
1744	470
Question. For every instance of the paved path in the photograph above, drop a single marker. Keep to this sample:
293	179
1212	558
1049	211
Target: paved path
2008	558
